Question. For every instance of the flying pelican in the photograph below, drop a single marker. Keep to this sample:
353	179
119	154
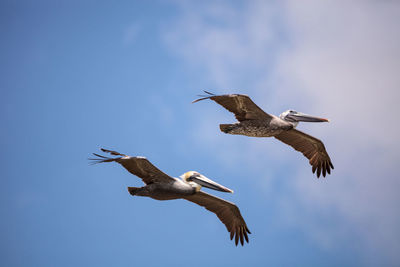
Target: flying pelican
253	121
161	186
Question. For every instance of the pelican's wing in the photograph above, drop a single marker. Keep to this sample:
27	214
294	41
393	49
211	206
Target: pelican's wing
241	105
227	212
138	166
311	147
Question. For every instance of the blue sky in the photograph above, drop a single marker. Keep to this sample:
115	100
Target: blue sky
80	75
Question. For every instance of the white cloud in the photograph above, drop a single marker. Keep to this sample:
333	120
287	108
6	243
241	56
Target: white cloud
345	58
337	58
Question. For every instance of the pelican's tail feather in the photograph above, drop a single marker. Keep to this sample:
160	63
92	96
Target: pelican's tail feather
226	128
133	190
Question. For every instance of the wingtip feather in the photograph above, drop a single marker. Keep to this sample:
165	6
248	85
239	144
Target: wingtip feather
247	229
207	92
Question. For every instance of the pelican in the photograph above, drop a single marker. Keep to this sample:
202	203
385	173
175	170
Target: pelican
161	186
255	122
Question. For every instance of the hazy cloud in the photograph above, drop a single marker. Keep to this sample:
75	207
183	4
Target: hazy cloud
331	58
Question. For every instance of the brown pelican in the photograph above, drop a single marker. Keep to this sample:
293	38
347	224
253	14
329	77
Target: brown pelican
161	186
253	121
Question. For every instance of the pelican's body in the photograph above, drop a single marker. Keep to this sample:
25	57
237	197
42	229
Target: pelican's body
161	186
257	128
255	122
166	191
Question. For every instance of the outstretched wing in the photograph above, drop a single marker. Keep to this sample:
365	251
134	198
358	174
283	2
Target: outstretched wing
241	105
227	212
311	147
138	166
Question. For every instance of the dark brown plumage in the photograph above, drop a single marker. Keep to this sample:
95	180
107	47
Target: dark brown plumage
241	105
226	211
139	166
311	147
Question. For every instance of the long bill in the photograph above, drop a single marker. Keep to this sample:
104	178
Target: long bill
204	181
298	116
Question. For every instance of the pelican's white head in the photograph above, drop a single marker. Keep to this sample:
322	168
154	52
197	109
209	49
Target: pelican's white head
186	178
198	180
295	117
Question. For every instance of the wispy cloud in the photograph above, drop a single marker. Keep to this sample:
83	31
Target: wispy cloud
337	59
224	39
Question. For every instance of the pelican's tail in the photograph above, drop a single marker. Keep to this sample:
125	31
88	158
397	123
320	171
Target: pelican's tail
227	128
133	190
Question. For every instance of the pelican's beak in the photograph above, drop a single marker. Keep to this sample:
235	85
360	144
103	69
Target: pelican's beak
298	116
204	181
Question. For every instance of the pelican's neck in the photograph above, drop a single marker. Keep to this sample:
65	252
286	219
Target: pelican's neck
294	123
194	185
